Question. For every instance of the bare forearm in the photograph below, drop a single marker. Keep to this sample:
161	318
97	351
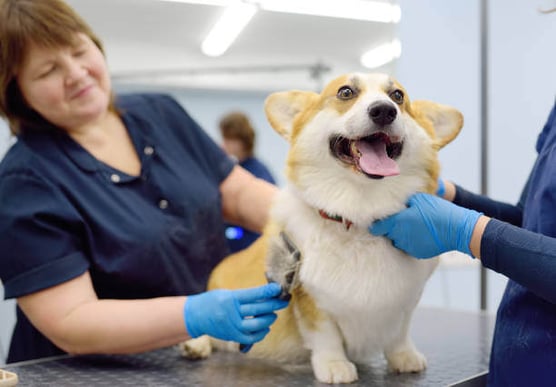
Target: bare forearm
255	205
121	326
476	237
247	199
449	191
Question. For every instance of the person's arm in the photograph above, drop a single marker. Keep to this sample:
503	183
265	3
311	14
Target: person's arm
477	236
495	209
246	200
73	318
526	257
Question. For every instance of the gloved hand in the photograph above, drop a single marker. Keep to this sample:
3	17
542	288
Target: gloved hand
429	226
242	315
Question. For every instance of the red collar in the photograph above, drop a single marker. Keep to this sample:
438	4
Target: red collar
336	218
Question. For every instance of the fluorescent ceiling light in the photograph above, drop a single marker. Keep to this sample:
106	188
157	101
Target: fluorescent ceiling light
347	9
382	54
238	13
228	27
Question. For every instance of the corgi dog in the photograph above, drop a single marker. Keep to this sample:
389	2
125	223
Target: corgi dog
358	151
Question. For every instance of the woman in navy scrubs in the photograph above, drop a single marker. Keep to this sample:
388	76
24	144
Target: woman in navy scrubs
238	140
111	207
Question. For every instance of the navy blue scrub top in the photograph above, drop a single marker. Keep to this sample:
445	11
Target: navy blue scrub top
63	212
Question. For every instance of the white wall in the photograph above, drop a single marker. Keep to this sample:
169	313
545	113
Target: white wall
7	308
5	138
522	89
522	84
440	62
7	322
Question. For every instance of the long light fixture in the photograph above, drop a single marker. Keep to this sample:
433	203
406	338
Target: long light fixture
348	9
382	54
234	19
238	13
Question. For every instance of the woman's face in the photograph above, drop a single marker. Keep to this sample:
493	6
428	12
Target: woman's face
69	86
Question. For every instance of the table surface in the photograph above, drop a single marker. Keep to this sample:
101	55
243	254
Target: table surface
456	344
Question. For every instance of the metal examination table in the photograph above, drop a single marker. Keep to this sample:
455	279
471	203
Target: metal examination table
456	344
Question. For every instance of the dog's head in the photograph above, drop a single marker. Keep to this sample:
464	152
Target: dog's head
361	147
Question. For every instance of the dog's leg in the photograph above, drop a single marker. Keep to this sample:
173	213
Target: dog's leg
320	334
323	338
401	354
196	349
203	346
328	358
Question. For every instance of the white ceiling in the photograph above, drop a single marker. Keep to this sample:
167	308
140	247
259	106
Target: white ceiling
158	42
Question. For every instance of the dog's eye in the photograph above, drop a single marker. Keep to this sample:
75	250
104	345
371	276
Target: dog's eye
397	96
345	92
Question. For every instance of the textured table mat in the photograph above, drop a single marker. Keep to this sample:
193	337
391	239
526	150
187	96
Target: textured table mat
456	344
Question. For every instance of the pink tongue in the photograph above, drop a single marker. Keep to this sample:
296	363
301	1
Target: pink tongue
374	160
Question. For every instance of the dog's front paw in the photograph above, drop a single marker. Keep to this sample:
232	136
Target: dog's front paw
196	349
407	361
330	370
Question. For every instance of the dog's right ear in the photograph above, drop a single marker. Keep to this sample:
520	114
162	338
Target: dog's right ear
283	108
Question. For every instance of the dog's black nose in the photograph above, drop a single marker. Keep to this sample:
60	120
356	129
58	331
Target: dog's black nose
382	113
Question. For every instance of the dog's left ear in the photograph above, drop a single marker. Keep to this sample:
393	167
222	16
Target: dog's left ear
283	108
446	120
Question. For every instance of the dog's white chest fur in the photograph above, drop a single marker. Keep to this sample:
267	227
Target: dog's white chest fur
364	284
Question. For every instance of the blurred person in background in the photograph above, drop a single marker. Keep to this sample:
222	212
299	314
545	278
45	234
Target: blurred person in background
238	140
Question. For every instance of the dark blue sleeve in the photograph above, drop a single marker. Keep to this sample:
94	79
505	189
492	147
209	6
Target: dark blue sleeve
258	169
39	236
265	175
509	213
262	172
526	257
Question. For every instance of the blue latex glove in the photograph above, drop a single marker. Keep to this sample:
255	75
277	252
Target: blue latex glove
428	227
242	315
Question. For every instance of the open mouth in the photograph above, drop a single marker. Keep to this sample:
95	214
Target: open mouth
374	155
